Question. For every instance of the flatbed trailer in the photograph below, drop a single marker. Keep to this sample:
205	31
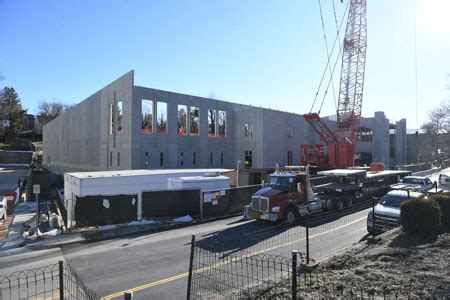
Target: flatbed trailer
290	195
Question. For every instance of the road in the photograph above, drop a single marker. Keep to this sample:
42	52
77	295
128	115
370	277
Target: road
155	265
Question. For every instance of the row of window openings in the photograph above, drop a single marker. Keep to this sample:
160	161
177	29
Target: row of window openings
188	118
194	159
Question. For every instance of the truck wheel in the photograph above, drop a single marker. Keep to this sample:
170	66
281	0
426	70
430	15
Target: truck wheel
349	203
290	215
339	205
328	205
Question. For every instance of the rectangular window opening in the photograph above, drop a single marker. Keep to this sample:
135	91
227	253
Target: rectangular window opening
211	158
221	158
182	119
161	159
289	158
248	163
146	160
194	126
222	123
211	122
118	158
194	159
182	159
111	118
119	116
161	114
147	116
248	129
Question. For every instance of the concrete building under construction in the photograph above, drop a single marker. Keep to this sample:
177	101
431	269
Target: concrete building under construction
124	126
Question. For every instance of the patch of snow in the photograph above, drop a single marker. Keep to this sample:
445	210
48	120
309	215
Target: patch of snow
186	219
52	232
142	222
106	227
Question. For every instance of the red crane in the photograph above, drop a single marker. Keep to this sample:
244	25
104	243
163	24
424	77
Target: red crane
340	145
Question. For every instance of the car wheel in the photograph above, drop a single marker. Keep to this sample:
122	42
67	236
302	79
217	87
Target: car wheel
290	215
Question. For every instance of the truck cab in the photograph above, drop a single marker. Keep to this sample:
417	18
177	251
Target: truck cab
284	190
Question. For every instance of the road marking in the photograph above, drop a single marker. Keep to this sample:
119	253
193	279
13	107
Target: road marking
220	264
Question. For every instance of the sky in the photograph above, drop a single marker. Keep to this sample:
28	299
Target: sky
264	53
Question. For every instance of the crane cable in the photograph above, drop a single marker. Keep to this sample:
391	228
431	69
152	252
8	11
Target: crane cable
328	61
339	41
326	48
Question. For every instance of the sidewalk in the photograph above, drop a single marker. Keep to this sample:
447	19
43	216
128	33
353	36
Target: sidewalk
68	238
22	213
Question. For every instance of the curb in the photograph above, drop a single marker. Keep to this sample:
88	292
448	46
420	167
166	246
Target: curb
95	236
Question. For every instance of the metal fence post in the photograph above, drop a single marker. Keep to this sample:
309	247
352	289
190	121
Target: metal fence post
61	280
201	205
307	239
191	262
128	295
294	274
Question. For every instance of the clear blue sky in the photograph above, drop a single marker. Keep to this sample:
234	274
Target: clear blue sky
264	53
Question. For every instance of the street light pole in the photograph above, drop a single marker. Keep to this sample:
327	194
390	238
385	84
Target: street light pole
237	172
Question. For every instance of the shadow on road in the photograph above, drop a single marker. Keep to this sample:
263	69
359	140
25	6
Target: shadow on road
257	235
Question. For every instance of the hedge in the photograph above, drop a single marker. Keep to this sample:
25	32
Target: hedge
420	215
444	202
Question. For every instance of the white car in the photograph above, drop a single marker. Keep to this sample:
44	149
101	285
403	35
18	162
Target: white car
444	181
414	183
3	207
387	211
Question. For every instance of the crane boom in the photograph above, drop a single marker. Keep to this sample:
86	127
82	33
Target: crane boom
341	145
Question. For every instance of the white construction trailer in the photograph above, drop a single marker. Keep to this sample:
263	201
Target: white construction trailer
130	182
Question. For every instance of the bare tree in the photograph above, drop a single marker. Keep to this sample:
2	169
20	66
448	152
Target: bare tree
50	110
437	131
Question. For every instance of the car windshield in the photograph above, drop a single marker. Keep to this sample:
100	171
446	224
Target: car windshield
392	201
412	180
280	181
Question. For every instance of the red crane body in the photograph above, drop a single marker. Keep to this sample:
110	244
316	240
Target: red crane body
340	145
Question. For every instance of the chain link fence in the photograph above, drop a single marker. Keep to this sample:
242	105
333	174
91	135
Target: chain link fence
57	281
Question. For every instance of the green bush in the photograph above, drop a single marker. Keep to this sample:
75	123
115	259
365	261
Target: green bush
444	202
420	215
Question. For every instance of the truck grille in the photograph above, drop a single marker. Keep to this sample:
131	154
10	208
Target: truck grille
385	223
260	203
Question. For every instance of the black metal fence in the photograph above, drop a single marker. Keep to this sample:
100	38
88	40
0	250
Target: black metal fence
261	260
105	210
228	202
57	281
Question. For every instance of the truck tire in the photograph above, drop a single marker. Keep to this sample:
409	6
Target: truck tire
290	215
349	202
339	205
328	205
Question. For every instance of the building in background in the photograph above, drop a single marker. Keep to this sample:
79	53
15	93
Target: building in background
123	126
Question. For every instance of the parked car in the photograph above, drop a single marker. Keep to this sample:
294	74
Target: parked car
444	181
3	207
415	183
387	211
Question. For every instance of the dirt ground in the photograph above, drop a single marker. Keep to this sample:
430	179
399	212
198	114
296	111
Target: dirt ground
393	264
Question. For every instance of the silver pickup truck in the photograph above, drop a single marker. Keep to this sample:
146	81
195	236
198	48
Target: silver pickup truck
387	211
